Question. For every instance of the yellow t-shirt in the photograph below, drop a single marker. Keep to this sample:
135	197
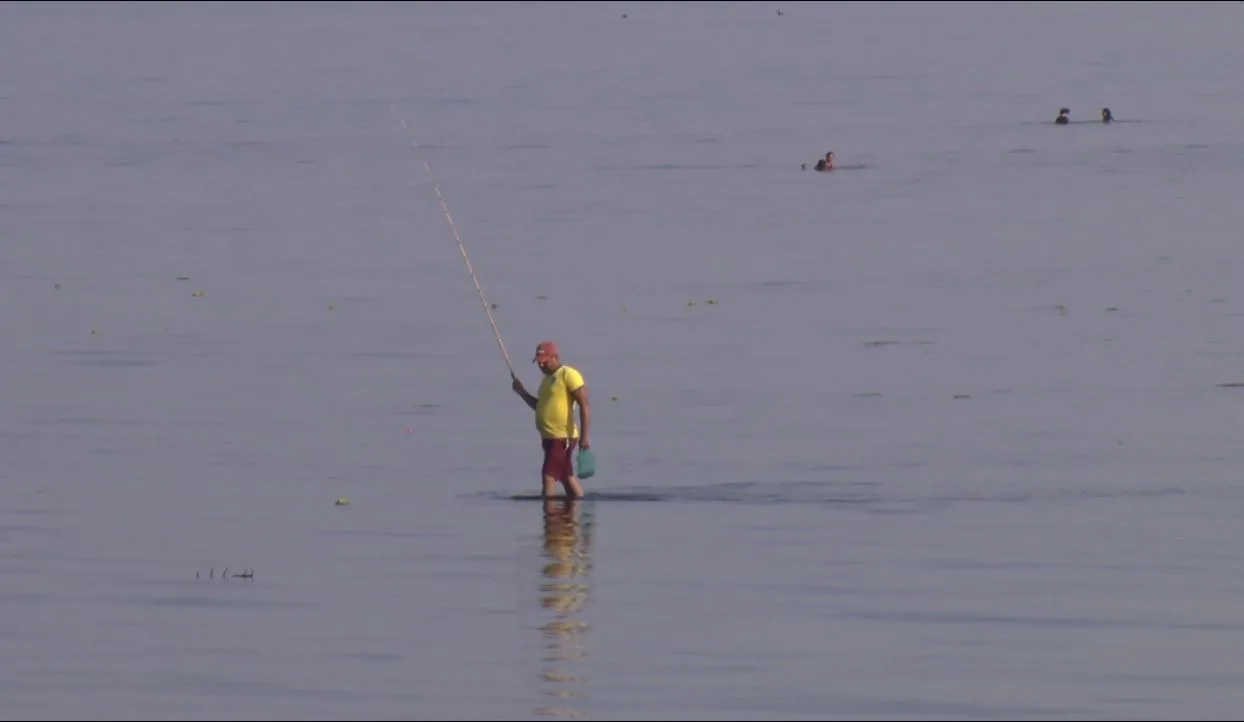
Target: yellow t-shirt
555	406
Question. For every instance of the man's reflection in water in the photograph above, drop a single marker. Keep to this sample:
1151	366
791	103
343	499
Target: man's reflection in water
563	592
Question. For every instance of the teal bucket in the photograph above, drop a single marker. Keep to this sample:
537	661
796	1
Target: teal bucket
587	464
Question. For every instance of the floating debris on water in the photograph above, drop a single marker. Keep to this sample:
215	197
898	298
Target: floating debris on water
246	574
58	287
690	303
962	396
341	501
878	344
183	278
711	302
1112	308
199	294
1232	385
613	398
542	297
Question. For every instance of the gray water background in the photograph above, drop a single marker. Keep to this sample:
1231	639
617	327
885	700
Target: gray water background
950	445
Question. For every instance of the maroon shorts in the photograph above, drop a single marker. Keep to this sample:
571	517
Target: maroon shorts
557	458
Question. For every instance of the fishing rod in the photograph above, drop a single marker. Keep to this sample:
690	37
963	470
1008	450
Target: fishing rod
461	246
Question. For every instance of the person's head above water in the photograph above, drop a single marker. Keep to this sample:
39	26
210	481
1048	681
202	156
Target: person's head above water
548	356
1106	115
1062	118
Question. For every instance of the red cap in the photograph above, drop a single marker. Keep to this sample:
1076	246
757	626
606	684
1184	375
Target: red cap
544	349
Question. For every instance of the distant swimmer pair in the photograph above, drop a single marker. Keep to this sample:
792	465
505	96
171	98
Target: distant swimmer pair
824	164
1063	116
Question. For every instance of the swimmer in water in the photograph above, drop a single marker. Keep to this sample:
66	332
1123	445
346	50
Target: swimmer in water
1107	116
826	163
1062	118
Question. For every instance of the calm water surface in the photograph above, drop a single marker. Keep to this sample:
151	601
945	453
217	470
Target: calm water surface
940	435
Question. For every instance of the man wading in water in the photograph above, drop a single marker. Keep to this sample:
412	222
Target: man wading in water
562	388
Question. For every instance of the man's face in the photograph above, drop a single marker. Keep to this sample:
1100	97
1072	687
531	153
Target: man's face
547	363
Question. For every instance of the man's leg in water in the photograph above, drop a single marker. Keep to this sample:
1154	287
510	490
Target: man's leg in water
570	482
573	489
570	485
559	466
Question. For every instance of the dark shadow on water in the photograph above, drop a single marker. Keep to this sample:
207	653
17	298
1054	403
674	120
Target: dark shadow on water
743	492
865	496
565	564
849	166
681	167
1083	122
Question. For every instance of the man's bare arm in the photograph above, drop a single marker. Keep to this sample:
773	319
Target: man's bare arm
585	415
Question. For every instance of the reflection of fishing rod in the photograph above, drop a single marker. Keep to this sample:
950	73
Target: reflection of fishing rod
479	289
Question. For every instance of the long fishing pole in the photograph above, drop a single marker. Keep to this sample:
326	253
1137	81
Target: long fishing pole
462	247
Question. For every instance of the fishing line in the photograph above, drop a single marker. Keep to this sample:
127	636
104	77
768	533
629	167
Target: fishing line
462	247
